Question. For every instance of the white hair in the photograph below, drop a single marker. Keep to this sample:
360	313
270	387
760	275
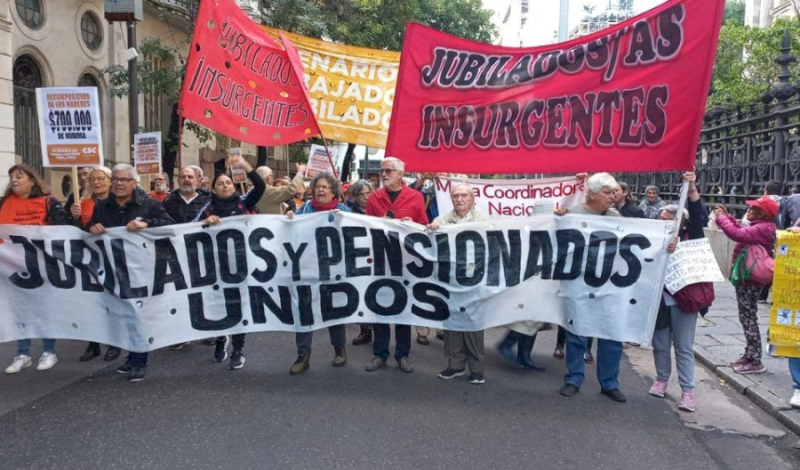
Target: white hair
461	184
264	172
397	164
198	172
598	181
126	168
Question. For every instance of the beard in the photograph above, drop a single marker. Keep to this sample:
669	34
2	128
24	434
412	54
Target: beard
187	190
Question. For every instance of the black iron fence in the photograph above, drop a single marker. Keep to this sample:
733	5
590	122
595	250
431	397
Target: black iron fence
740	152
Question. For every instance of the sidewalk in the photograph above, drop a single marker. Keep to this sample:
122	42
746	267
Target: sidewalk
720	340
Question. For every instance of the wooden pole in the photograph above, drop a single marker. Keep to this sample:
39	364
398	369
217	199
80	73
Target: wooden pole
77	192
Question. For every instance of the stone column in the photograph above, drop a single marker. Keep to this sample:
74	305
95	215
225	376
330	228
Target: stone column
6	95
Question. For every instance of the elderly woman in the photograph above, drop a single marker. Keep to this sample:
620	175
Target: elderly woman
326	195
675	328
27	202
761	231
99	181
652	203
462	347
227	202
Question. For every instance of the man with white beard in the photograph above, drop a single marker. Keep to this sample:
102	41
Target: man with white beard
160	190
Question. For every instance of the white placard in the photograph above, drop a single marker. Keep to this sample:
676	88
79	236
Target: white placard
318	160
70	128
692	262
147	154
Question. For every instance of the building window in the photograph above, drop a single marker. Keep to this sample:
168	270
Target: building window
90	31
89	80
27	77
30	12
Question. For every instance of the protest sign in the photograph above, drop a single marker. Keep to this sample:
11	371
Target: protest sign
147	153
630	97
149	289
784	318
242	83
515	198
692	262
318	160
70	128
351	88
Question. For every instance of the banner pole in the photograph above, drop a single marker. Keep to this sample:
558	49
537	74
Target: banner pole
77	191
179	153
681	205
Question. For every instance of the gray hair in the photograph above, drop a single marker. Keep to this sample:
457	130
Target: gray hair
598	181
124	167
651	188
397	164
460	184
358	187
264	172
198	172
335	186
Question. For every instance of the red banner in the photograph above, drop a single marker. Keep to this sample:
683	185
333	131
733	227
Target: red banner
627	98
241	83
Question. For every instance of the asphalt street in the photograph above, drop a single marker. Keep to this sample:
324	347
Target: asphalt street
192	413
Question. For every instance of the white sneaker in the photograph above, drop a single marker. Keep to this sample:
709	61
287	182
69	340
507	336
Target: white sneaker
795	401
20	362
47	361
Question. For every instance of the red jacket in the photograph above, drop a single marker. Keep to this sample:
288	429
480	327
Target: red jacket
409	203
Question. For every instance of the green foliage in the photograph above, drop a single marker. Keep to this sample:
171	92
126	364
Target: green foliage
734	12
745	65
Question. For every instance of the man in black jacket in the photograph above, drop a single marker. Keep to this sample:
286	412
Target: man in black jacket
127	207
185	202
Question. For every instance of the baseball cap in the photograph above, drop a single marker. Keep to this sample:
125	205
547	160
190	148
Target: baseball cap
766	204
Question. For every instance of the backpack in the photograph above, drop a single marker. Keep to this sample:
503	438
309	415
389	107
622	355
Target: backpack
753	265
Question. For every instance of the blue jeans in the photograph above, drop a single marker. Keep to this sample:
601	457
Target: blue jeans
402	340
303	340
680	335
24	346
794	369
609	353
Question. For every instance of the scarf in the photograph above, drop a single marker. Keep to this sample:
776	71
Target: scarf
324	207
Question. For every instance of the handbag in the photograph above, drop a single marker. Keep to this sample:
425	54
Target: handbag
753	265
695	297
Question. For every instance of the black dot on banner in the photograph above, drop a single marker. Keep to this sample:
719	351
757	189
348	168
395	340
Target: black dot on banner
245	322
75	325
648	260
285	263
173	311
270	289
139	303
100	273
462	309
405	283
633	301
144	245
227	64
369	260
150	340
216	286
571	322
591	296
360	314
24	275
338	277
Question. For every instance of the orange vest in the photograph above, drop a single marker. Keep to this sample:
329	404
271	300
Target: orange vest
17	211
87	209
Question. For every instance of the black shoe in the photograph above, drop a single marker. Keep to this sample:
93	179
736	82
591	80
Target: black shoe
92	351
136	374
423	340
476	378
615	395
237	361
365	337
112	354
449	373
125	368
524	353
559	352
587	357
569	390
221	349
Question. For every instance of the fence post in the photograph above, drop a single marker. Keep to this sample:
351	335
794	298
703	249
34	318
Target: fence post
783	91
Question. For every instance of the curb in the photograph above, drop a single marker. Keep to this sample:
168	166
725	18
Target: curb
772	404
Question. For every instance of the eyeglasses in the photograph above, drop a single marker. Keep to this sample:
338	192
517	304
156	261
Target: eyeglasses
97	179
322	187
116	180
387	170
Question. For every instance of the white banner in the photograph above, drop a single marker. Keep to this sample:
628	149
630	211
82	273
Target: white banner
70	126
692	262
147	153
597	276
515	198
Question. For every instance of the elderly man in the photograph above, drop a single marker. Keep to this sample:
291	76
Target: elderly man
394	200
160	187
126	207
275	196
184	203
462	347
600	197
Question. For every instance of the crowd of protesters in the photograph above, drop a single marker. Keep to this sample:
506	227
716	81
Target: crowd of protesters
114	198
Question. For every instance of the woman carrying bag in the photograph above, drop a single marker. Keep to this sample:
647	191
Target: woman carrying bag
760	232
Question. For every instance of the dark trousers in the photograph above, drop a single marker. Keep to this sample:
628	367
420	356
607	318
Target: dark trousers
402	339
236	340
137	359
